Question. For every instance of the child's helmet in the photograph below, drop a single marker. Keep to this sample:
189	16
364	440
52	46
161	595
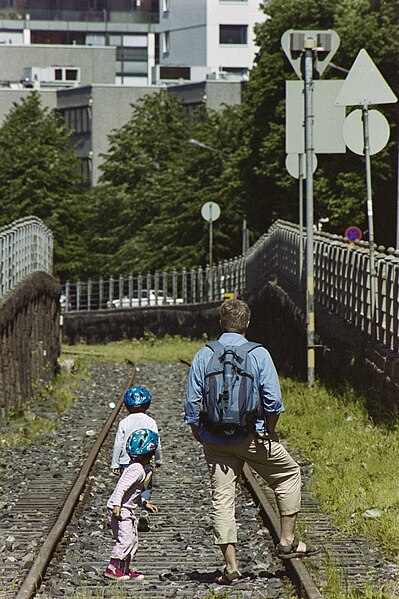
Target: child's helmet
142	442
137	396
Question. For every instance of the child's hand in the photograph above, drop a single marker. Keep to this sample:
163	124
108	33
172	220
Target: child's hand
116	471
116	512
151	507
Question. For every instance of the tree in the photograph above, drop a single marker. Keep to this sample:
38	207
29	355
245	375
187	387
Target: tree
39	176
146	209
339	183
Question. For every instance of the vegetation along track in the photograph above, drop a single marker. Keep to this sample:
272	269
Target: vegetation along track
177	555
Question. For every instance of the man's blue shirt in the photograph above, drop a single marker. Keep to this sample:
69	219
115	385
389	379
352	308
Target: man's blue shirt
265	383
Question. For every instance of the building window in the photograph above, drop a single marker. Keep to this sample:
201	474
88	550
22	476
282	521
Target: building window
233	34
165	5
174	73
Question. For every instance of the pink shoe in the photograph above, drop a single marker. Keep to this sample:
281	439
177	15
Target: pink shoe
116	574
135	576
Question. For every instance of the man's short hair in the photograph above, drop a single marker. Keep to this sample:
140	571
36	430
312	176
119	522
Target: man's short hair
234	316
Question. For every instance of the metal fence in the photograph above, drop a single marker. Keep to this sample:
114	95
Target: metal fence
151	289
342	277
342	281
26	246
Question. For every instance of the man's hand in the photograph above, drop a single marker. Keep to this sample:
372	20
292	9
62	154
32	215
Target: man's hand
273	436
151	507
116	512
194	430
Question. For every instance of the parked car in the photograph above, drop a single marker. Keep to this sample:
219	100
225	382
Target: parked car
148	298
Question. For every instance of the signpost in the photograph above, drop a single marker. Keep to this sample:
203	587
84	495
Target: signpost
210	212
294	165
364	85
309	52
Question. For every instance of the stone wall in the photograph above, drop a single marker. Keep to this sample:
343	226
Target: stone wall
103	326
30	338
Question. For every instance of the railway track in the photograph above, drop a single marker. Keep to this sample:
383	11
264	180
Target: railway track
53	536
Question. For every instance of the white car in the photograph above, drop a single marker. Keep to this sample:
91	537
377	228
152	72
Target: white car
148	298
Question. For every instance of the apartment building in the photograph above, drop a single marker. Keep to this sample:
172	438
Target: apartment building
93	59
207	39
129	25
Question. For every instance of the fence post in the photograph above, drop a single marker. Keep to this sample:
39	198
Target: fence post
193	286
111	291
207	283
78	295
100	292
139	287
174	285
165	283
67	295
89	289
156	287
130	288
184	285
200	284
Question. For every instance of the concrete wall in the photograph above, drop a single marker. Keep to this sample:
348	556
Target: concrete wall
8	97
97	63
112	108
30	339
187	33
231	13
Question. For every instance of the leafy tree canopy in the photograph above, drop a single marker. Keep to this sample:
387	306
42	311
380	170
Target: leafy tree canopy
39	177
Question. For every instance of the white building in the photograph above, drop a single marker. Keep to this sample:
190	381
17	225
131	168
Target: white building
206	38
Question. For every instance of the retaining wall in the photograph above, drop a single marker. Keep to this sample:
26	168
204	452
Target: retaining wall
30	338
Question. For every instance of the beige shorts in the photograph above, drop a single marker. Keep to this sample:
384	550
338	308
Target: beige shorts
225	463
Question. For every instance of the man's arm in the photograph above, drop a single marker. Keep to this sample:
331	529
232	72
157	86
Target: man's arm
194	430
194	392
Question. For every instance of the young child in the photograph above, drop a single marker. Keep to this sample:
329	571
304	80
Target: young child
137	400
140	447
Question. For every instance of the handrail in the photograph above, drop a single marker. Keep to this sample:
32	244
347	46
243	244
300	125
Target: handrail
26	246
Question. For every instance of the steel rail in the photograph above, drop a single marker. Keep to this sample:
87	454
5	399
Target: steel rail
296	567
34	577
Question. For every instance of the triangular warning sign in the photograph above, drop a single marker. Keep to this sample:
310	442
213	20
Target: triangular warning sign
364	85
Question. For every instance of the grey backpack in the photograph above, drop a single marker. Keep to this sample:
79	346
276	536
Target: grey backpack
229	403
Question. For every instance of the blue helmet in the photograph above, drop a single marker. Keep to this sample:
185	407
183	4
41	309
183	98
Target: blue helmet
142	442
137	396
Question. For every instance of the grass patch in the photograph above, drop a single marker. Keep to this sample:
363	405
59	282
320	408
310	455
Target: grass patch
40	414
147	349
354	461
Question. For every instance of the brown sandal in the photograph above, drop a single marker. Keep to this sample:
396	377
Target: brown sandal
290	551
228	577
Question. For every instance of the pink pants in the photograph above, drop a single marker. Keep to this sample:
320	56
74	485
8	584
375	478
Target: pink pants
125	534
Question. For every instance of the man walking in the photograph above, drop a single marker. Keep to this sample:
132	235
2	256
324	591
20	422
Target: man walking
226	454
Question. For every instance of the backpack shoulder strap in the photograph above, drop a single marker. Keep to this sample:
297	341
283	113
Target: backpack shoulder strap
215	346
249	346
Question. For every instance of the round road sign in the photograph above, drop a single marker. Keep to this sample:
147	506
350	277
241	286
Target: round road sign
210	211
353	234
292	164
378	131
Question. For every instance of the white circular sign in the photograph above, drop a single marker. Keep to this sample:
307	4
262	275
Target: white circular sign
378	131
292	164
210	211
